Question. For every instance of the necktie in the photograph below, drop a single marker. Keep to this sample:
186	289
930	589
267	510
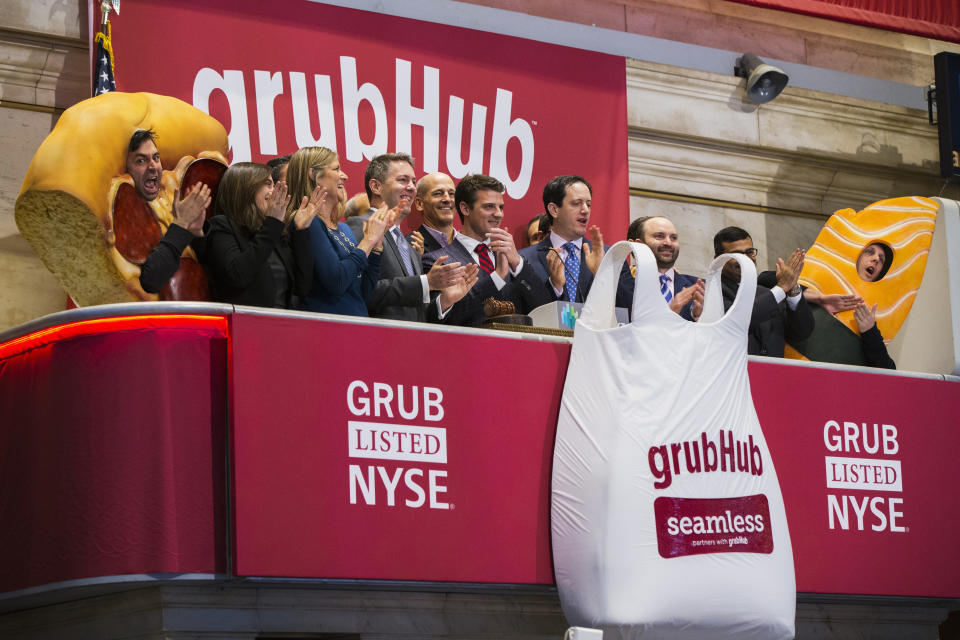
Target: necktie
484	254
571	270
665	288
404	250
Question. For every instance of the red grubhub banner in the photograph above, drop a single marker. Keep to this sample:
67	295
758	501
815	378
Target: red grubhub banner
280	76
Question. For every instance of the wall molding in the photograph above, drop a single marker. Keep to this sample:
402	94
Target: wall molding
42	71
691	134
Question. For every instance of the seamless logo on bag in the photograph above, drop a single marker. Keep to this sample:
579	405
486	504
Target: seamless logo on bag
690	526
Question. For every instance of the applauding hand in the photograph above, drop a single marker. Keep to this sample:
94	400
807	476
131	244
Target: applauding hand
189	212
451	294
308	208
278	201
593	253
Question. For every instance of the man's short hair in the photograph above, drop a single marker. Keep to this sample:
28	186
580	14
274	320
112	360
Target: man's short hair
470	186
635	230
555	191
139	137
379	169
727	235
276	166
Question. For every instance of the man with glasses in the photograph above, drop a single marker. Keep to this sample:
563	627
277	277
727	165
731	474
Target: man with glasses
780	314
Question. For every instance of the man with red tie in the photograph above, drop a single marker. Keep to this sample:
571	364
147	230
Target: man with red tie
479	203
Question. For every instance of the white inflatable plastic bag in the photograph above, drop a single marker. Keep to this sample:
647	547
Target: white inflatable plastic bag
667	517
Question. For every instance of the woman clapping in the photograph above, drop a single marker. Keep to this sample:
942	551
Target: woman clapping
344	270
252	257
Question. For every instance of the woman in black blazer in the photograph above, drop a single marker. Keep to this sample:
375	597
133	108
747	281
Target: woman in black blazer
252	256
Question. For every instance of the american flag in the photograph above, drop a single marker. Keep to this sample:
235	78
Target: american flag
103	80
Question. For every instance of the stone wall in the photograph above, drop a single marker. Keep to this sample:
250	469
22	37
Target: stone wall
44	60
705	157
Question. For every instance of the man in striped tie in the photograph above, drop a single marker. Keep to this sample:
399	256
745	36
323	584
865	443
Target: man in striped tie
683	293
479	203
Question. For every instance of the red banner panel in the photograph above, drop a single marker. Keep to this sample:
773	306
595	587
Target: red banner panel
299	73
362	451
939	19
112	452
863	460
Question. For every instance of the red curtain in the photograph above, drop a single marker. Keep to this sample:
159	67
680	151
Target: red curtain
938	19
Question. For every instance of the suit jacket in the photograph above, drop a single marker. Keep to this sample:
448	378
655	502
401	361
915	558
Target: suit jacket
772	325
398	294
238	264
538	290
468	312
628	282
164	260
429	242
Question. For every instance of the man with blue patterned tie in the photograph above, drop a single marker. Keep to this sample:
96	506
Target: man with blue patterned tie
683	293
403	292
564	262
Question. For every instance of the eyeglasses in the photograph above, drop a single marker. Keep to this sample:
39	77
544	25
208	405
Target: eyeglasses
750	253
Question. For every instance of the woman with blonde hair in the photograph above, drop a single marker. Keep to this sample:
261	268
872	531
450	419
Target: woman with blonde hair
344	271
250	257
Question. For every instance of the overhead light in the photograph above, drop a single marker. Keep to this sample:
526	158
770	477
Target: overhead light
764	81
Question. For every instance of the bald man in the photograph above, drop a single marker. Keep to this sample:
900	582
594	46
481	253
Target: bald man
435	199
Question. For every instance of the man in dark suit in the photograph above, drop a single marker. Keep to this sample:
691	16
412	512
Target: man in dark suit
479	203
435	199
780	313
403	292
683	293
563	263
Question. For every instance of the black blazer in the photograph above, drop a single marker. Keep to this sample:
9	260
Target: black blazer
429	242
468	312
164	259
238	263
772	325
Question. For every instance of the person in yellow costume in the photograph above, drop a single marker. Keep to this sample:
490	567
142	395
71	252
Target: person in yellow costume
862	274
